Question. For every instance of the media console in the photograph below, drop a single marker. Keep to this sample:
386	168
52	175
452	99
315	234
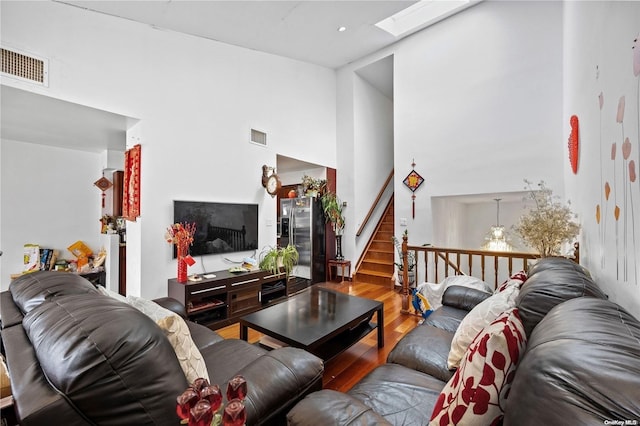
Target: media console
223	298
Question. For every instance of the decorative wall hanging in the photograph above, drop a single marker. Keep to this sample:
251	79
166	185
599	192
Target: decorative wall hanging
131	187
573	144
103	183
413	182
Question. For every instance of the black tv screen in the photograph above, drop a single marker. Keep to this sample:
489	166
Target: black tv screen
220	227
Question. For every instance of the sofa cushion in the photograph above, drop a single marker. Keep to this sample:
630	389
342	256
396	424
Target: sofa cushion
10	315
476	392
551	286
108	359
479	317
30	290
227	357
424	349
582	363
203	336
177	333
328	406
555	262
464	298
401	395
446	318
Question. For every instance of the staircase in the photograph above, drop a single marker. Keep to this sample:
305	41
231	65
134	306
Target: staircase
376	266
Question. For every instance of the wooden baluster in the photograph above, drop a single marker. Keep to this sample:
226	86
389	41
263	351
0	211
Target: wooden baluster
405	276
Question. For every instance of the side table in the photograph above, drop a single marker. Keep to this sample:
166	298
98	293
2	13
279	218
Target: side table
344	264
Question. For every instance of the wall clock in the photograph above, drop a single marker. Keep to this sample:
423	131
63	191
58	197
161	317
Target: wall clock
270	180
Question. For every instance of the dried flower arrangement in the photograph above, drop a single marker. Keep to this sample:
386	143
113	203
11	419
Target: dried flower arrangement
549	224
181	234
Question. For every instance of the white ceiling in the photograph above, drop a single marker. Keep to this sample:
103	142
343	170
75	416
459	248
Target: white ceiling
303	30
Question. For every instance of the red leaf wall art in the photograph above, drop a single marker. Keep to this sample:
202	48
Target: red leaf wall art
573	144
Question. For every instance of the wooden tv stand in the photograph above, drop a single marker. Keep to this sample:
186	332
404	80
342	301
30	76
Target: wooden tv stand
221	300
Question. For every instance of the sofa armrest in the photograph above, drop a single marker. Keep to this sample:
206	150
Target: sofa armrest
277	381
173	305
463	297
329	407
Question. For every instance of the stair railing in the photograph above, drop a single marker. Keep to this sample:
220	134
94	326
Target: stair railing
495	266
375	204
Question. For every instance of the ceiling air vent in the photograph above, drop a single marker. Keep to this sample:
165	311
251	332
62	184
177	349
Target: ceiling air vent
24	67
258	137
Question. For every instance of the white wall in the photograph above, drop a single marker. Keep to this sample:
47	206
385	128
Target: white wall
48	198
373	149
598	56
196	101
478	104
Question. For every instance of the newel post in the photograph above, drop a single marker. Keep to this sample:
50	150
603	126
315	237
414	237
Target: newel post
405	275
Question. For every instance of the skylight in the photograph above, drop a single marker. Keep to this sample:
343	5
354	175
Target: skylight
422	14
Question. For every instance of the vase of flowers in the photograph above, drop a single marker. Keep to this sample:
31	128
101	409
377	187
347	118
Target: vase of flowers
181	235
547	225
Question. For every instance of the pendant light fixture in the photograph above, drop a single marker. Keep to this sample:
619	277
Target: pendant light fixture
497	237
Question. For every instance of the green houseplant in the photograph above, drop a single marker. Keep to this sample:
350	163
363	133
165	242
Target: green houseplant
275	259
332	209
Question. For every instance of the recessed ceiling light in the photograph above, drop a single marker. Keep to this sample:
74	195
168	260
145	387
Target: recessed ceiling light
342	29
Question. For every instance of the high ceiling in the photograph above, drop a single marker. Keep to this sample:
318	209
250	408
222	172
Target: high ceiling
301	30
304	30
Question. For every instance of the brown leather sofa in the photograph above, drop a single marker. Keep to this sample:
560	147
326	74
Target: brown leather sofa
581	364
78	357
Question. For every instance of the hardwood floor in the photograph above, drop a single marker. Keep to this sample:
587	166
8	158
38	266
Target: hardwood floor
342	372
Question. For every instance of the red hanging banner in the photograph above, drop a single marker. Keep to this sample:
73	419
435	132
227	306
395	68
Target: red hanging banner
131	186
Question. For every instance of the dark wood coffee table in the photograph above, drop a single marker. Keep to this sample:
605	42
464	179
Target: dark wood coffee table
321	321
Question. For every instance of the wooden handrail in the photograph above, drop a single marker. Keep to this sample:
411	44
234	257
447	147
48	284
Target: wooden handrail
373	234
375	203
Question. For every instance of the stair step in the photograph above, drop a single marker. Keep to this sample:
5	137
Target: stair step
374	273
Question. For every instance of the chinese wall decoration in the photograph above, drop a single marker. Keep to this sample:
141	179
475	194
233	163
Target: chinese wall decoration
413	182
131	187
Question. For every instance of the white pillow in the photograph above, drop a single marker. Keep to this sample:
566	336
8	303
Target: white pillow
178	334
434	291
110	293
477	319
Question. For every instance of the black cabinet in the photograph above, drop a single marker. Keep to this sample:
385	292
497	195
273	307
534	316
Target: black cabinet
223	297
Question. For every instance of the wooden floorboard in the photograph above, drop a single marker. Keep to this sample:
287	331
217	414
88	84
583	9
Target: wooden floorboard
346	369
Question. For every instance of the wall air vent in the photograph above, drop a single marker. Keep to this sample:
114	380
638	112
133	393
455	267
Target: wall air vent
24	67
258	137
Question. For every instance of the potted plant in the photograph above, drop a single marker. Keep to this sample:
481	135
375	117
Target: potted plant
332	209
275	259
411	261
548	225
313	187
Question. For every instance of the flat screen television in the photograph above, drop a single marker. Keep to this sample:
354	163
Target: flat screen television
220	227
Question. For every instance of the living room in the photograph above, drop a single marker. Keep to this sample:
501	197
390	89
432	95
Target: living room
499	114
481	101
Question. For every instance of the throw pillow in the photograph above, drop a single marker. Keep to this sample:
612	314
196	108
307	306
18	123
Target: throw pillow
149	308
186	350
477	319
516	279
476	393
